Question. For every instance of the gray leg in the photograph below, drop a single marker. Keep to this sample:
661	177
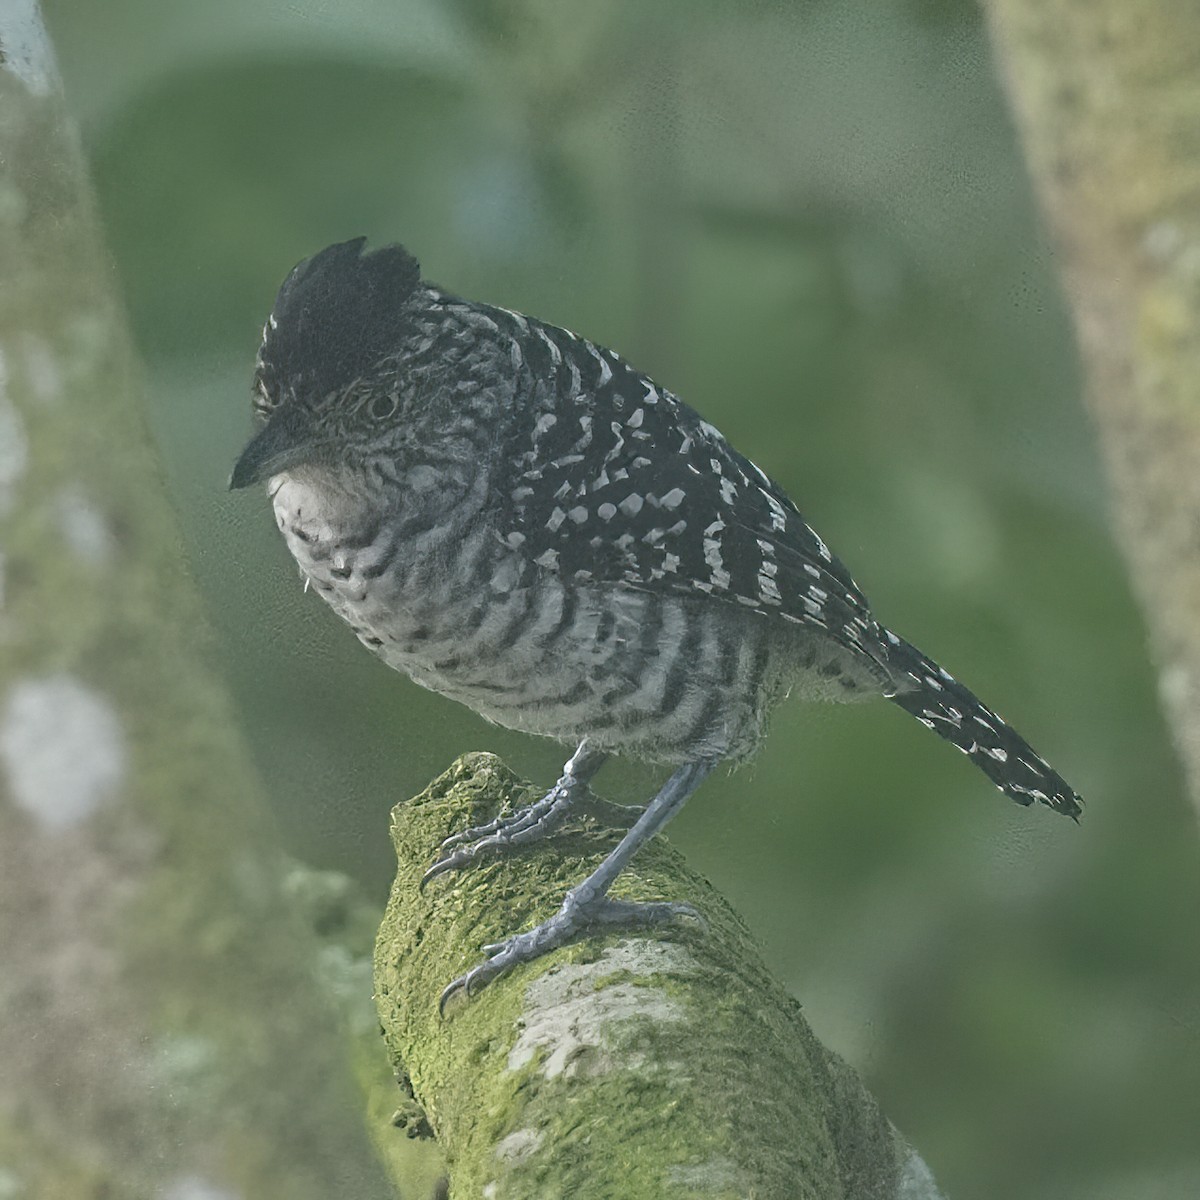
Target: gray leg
588	904
525	825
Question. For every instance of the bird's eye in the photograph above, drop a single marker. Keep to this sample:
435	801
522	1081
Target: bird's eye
382	407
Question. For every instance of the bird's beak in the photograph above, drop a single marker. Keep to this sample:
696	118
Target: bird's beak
282	443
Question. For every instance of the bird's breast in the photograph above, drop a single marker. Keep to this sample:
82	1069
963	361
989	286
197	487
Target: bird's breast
459	612
413	585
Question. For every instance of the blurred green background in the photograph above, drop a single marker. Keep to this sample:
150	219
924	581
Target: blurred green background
812	222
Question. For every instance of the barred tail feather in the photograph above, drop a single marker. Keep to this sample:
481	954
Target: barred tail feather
942	704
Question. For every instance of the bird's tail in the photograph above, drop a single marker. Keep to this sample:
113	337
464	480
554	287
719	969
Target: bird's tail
940	702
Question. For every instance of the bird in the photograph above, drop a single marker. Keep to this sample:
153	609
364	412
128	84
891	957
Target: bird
520	520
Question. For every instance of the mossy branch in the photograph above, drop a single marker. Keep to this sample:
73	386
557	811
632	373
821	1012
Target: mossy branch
664	1064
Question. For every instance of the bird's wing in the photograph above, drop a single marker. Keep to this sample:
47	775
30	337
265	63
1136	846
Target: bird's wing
619	481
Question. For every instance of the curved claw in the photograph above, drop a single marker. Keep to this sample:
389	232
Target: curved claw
473	981
450	991
450	862
472	834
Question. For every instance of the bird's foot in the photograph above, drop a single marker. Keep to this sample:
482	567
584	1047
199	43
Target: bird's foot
528	824
576	915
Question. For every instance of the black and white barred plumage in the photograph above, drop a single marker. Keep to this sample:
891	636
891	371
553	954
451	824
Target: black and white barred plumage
519	519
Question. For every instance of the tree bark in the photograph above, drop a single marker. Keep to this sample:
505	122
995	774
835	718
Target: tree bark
161	1029
662	1064
1106	96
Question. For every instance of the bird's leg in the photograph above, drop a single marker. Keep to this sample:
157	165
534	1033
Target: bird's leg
588	904
527	824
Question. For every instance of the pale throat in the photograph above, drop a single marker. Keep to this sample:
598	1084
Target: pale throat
325	523
303	499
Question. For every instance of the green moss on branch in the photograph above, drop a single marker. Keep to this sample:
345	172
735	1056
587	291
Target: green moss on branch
663	1064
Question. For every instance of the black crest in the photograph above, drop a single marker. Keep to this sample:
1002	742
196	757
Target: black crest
336	315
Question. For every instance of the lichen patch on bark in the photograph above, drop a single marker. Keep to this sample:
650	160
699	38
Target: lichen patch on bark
571	1023
62	749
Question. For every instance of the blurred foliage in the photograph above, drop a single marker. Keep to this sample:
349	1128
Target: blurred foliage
813	223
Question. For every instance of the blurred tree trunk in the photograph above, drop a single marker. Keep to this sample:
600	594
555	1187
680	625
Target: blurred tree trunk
161	1029
1107	96
661	1063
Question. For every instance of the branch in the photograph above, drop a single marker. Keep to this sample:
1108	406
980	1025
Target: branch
667	1063
1106	98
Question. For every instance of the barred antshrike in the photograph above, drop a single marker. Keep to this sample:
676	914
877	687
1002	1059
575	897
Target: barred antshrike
520	520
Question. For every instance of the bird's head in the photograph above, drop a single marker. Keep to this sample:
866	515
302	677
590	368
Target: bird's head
330	389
